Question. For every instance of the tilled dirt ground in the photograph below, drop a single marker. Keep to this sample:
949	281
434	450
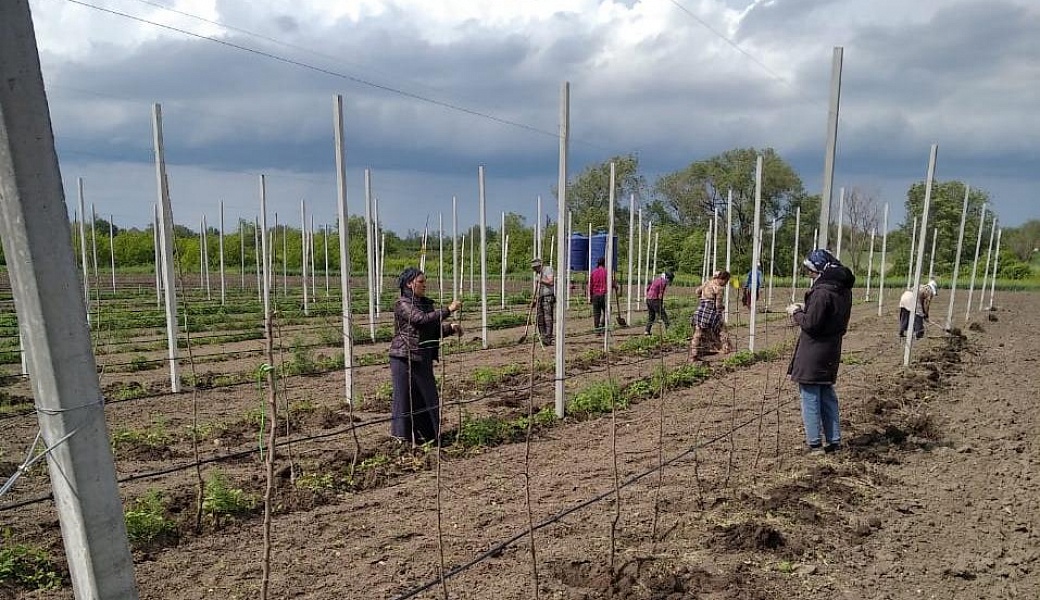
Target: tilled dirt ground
934	495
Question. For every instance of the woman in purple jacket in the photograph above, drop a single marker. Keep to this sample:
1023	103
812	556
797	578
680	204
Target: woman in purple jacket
823	319
418	329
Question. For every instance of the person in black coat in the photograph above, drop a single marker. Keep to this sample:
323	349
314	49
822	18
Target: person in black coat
418	329
823	319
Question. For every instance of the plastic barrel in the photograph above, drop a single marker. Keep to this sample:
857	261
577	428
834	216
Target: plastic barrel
598	249
579	252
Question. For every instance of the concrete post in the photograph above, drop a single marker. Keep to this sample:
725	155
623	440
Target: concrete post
34	227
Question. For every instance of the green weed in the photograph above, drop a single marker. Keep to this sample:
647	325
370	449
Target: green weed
146	520
28	567
220	499
600	397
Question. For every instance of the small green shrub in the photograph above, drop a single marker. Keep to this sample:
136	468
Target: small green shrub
597	398
220	499
483	432
153	437
28	567
316	482
146	520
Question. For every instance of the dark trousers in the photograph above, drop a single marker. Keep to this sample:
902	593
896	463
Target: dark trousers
546	313
599	309
655	307
904	320
415	409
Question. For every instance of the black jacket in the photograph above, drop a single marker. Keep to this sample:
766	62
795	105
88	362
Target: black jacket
418	328
828	306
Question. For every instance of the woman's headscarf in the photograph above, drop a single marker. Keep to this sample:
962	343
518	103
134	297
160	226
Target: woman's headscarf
407	276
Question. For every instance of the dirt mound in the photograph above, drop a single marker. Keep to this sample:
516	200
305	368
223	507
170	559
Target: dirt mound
650	579
747	536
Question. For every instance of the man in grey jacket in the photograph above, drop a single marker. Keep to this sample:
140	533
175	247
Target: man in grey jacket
823	320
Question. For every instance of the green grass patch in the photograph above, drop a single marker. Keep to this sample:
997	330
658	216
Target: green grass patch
220	499
28	567
598	398
146	520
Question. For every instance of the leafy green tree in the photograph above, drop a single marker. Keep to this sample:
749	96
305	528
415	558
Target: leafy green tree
1023	241
944	216
694	193
588	194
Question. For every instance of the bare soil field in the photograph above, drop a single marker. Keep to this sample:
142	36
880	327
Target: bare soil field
701	491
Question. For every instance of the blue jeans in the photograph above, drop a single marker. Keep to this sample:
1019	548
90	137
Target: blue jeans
820	408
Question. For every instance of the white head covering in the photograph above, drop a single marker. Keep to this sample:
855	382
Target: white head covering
934	287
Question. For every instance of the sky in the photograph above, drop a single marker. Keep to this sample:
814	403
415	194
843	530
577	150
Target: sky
434	88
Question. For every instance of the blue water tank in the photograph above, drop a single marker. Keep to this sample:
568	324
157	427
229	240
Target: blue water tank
579	252
598	249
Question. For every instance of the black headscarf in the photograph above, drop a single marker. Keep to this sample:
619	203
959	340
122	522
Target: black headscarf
407	276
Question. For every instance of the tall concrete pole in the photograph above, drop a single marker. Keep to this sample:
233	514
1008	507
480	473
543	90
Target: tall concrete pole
502	247
870	263
975	262
931	257
37	242
609	260
483	260
841	221
772	271
795	261
919	263
561	246
729	247
166	243
831	147
989	254
157	256
303	254
756	253
881	269
440	256
220	249
957	258
631	234
371	261
112	248
344	249
996	259
83	248
456	281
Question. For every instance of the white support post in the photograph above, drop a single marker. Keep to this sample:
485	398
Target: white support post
989	253
795	261
440	256
502	248
561	248
957	258
38	245
772	271
456	284
256	259
472	269
657	239
344	250
881	269
265	278
996	260
220	249
588	269
166	243
832	143
112	249
729	247
483	260
310	254
93	244
205	256
975	262
370	264
83	249
931	257
919	263
570	267
609	262
285	258
756	253
715	241
910	255
325	241
303	256
631	234
647	273
242	251
870	263
841	221
639	257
